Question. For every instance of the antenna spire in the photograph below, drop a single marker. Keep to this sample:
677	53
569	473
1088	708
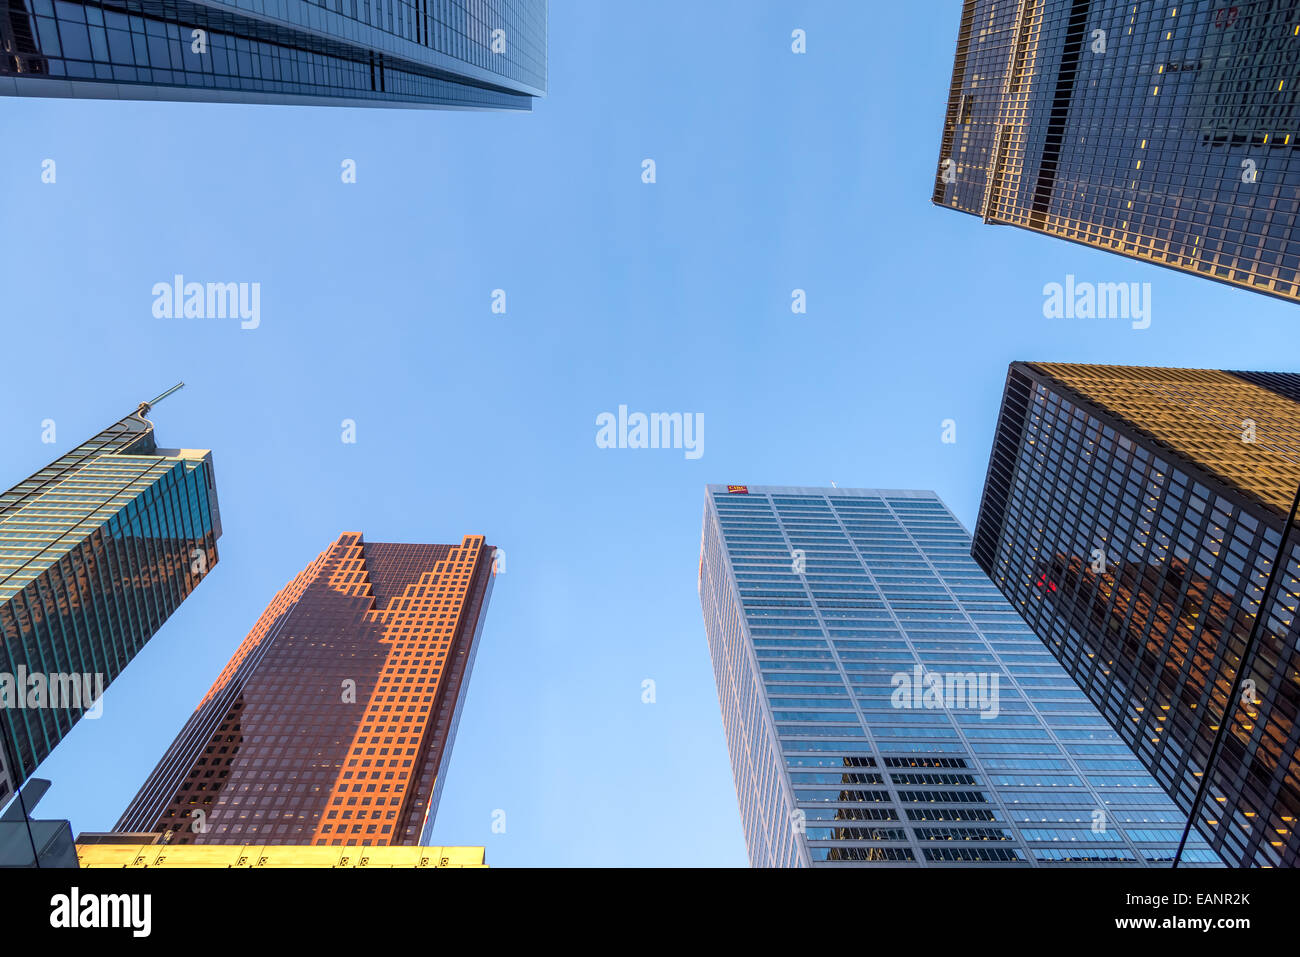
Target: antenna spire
145	407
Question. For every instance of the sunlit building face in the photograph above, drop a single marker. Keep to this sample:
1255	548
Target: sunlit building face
333	723
1162	132
883	704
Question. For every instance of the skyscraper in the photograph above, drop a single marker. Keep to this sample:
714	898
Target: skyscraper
1167	133
1133	516
465	54
884	704
97	549
334	721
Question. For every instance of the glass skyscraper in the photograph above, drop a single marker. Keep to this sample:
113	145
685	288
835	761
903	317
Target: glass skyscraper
97	549
334	721
884	704
467	54
1164	132
1133	516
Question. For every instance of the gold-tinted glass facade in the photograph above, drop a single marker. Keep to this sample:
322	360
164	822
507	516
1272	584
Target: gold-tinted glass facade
1137	540
1242	432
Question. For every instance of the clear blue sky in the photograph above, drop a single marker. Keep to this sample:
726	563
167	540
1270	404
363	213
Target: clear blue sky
775	172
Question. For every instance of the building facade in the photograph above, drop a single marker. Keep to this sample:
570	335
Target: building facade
884	704
97	550
1133	516
334	721
452	54
1166	133
31	842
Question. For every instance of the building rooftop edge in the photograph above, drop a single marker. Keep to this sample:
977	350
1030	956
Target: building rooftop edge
827	490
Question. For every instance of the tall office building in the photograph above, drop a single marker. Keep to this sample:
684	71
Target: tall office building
456	54
334	721
1163	132
1133	516
97	549
883	703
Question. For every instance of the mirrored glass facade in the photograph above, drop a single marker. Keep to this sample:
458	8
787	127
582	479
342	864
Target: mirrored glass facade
333	723
467	54
1133	517
97	550
884	704
1164	132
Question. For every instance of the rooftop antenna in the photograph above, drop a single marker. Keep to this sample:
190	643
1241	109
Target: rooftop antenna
146	407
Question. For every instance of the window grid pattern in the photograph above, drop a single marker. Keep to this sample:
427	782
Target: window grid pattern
97	550
1143	569
1143	147
815	602
334	721
432	52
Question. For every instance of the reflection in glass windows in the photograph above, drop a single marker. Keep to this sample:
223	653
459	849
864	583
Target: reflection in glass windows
468	54
1133	516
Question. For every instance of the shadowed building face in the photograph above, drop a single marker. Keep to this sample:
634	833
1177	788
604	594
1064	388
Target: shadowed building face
333	722
1179	655
451	54
1133	517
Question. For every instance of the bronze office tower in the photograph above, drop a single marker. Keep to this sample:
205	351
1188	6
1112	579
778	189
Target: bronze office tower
1163	132
1133	516
333	722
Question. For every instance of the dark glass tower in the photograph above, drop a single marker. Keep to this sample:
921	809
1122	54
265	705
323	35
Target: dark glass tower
884	704
97	549
1133	516
466	54
1163	132
334	721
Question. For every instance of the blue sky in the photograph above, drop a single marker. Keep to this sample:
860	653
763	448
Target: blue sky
775	171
